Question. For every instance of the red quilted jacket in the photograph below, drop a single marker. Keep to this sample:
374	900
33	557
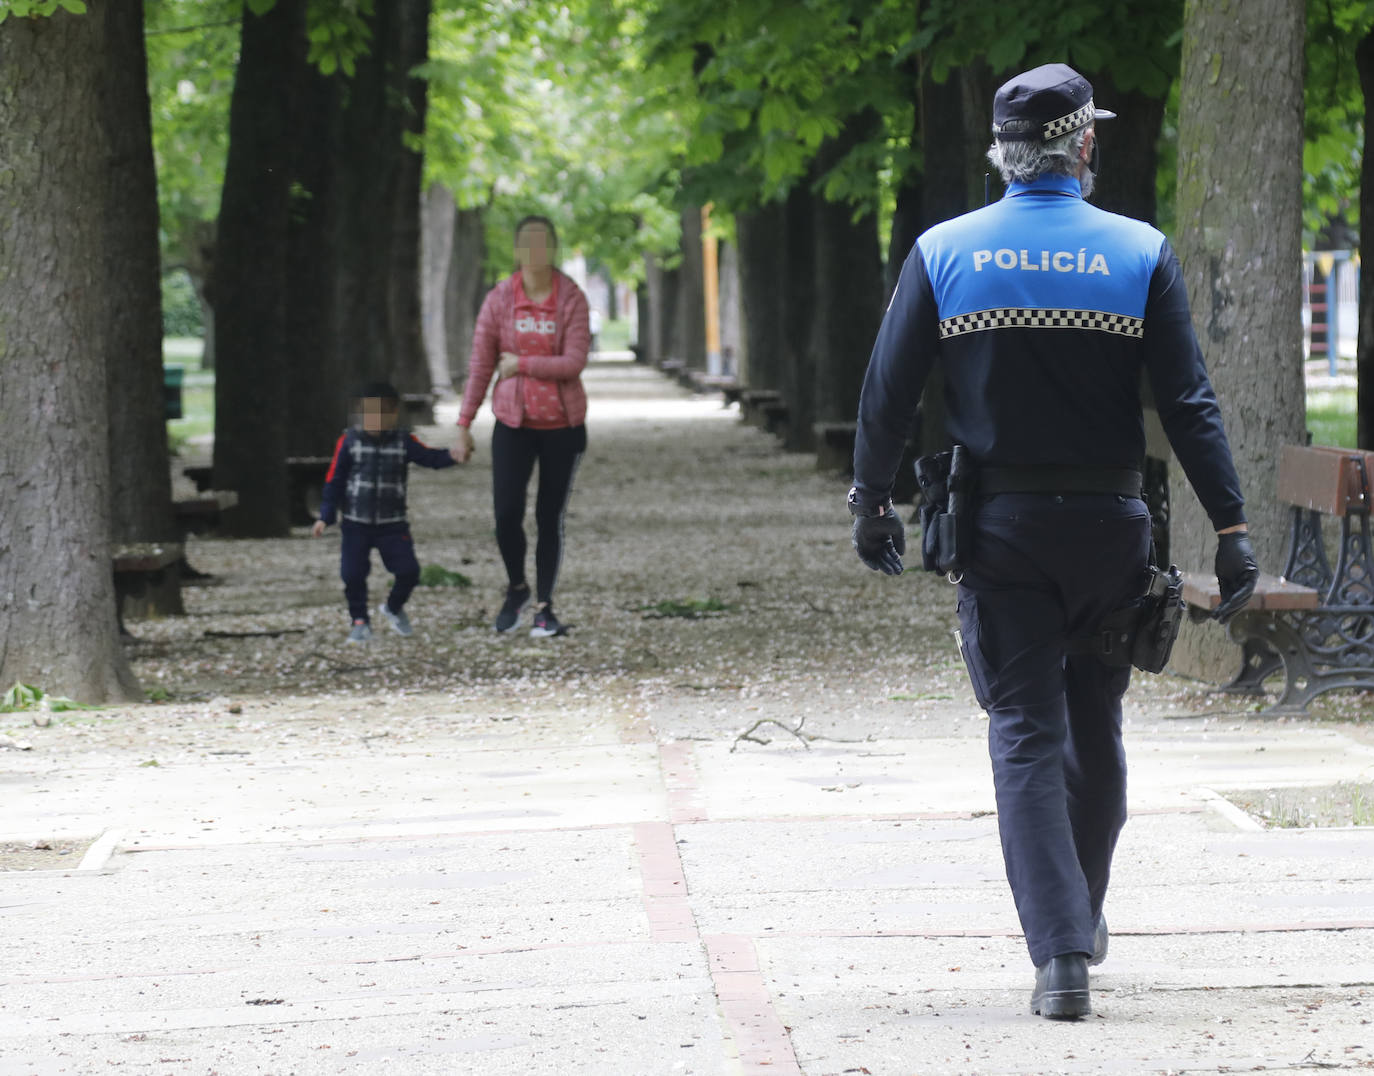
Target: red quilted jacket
495	333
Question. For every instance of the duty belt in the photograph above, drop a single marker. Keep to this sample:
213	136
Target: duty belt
1122	481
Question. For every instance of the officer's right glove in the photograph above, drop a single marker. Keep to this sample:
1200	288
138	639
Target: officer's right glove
880	541
1237	572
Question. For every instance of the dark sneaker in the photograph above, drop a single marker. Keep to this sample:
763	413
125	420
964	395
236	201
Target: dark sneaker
508	619
400	623
546	624
360	632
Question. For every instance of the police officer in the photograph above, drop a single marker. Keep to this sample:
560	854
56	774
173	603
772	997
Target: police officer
1042	311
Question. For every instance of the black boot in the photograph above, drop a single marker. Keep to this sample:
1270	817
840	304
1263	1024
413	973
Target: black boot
1061	988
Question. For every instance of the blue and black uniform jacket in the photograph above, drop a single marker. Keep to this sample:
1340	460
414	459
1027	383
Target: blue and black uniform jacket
1042	311
366	482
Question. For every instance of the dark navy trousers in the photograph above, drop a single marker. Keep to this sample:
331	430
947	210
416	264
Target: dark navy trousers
392	541
1046	570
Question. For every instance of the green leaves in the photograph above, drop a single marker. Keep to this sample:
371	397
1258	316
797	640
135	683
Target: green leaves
338	33
23	697
38	8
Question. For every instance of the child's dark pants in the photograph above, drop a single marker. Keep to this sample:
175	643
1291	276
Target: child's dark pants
392	541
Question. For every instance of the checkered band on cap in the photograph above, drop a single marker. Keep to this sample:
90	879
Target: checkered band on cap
1074	120
1013	317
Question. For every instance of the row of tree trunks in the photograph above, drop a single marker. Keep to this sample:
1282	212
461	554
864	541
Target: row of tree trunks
317	266
811	286
1240	214
57	606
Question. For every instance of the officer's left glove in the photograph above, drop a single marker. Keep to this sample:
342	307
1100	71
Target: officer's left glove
1237	572
880	541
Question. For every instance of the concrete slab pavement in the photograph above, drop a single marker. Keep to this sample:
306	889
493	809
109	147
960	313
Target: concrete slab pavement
629	907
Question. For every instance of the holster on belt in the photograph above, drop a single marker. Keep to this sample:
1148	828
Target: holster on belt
947	481
1142	633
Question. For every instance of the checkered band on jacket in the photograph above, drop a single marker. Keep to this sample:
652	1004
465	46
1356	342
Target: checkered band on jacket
376	491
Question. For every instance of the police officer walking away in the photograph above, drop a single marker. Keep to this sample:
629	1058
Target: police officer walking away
1042	311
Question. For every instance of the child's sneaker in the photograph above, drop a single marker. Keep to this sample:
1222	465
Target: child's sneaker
400	623
546	624
508	619
360	632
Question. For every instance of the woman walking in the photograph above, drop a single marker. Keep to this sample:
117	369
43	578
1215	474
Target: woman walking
532	334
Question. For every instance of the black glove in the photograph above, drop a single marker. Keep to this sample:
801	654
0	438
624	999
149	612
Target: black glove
1236	573
880	541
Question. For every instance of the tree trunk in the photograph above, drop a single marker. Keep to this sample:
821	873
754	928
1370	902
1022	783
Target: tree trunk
797	283
1240	243
978	84
437	214
251	277
689	312
465	289
140	475
379	204
662	286
409	369
1364	350
731	332
848	293
317	405
57	603
949	176
761	234
1125	182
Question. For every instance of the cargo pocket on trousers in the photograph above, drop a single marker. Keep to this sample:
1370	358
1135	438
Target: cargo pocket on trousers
970	649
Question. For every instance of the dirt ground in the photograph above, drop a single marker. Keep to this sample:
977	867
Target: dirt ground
676	502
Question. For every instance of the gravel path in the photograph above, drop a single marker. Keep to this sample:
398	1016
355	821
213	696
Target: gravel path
677	501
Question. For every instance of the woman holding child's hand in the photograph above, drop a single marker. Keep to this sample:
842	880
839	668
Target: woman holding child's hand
532	338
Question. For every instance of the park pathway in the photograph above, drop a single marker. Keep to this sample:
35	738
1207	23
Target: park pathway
463	854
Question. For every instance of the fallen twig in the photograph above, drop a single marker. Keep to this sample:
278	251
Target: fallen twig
805	737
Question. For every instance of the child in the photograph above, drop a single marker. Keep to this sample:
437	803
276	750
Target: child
366	485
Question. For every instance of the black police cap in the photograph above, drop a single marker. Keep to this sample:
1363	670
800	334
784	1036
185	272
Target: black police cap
1044	103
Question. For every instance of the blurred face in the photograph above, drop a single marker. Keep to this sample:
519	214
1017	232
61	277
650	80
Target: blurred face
376	415
534	246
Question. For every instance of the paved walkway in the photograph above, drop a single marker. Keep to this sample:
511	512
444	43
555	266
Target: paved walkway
636	893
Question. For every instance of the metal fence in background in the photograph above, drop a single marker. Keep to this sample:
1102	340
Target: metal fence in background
1330	305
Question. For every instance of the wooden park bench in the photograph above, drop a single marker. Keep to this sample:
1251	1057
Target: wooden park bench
201	514
835	446
305	475
764	408
147	580
1313	622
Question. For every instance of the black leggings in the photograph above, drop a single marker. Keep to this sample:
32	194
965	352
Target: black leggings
514	451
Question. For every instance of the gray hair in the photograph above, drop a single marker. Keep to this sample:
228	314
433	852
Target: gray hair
1026	161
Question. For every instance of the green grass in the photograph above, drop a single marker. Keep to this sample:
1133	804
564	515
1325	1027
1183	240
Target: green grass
435	575
183	351
686	609
1331	417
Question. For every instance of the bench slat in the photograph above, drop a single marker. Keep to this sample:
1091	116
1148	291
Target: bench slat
145	557
1271	592
1323	478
